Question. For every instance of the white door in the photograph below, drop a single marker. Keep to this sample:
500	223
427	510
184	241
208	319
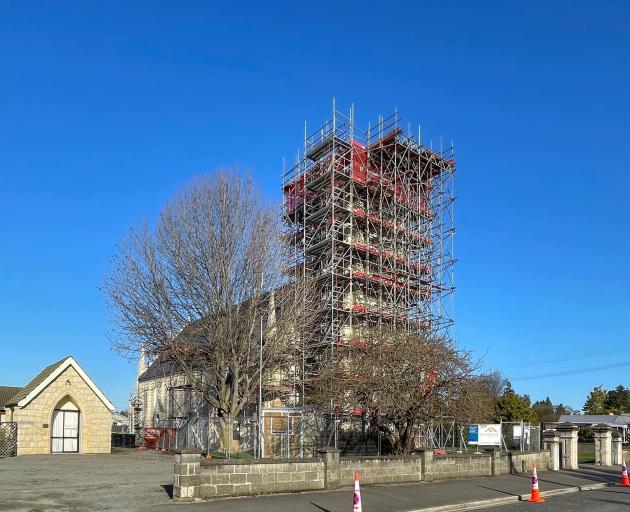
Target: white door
56	433
65	432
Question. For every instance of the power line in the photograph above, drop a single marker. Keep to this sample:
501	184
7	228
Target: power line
562	359
572	372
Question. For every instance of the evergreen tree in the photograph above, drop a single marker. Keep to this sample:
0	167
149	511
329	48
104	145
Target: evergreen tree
596	401
618	400
514	407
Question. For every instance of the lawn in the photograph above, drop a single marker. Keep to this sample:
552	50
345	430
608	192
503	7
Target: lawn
586	453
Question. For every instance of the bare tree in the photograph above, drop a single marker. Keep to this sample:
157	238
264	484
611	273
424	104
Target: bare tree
203	286
398	380
496	383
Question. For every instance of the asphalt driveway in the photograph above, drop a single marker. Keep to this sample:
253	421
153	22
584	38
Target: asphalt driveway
126	479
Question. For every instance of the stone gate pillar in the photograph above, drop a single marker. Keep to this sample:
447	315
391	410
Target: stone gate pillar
568	434
603	445
332	469
551	442
426	461
617	454
187	469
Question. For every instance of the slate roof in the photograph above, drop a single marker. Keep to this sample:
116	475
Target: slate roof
161	367
620	420
41	377
6	393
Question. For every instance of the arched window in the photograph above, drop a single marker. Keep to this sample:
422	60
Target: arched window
64	434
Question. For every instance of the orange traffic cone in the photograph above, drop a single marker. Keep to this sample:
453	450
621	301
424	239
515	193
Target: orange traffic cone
535	497
357	494
624	482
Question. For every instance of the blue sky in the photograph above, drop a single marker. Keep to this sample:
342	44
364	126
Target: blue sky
107	108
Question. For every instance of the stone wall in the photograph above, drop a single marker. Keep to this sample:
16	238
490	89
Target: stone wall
196	479
380	470
459	466
35	419
524	462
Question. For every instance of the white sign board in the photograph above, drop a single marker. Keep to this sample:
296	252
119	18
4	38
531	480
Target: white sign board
525	433
516	432
490	434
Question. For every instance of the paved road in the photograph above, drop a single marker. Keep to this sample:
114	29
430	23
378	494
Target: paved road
611	499
124	480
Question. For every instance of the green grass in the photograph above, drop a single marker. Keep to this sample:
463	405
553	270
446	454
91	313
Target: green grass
586	453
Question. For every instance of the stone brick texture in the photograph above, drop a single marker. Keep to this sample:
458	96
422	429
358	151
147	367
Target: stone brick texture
380	470
35	419
459	466
238	478
196	479
524	462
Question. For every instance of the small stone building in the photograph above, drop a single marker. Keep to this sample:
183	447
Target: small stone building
60	411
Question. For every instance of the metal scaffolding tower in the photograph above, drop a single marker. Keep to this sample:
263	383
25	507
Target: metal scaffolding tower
369	219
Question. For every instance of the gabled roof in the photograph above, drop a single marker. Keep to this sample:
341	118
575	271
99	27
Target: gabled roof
161	367
41	376
48	375
6	393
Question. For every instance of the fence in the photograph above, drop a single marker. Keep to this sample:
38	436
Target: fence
292	432
199	433
189	433
8	439
348	433
353	435
520	436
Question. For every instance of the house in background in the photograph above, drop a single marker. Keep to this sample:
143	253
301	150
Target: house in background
61	410
620	422
120	423
6	393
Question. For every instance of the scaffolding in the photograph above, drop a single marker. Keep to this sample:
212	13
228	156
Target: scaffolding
369	219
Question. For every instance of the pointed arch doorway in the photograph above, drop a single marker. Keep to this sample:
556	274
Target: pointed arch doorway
64	435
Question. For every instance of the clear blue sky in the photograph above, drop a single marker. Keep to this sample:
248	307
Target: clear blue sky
106	108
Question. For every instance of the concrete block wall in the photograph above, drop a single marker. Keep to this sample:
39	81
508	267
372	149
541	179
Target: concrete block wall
460	466
380	470
196	479
524	462
242	478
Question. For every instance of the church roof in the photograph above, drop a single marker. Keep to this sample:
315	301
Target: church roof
161	367
44	378
39	378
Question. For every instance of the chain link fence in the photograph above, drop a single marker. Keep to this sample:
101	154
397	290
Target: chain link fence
293	433
351	435
520	436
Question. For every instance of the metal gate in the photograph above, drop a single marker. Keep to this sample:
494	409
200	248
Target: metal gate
8	439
